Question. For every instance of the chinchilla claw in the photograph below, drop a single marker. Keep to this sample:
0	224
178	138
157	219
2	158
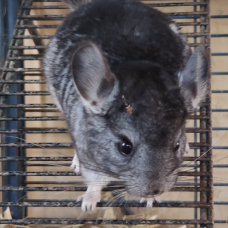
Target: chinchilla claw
75	164
150	201
142	200
89	200
157	199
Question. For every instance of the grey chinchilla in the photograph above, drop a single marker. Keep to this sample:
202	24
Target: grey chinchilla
125	80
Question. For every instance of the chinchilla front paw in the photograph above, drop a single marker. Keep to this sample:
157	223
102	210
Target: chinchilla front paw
90	199
75	164
150	201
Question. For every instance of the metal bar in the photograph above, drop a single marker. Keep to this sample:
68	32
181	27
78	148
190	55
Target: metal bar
68	164
176	4
35	131
195	117
25	58
101	204
43	118
49	165
35	159
28	106
43	17
27	93
46	0
209	111
219	110
188	174
37	145
189	203
220	147
43	47
70	159
219	91
33	74
188	23
41	110
61	17
41	93
65	221
219	54
3	31
220	128
62	130
33	37
219	35
219	16
195	137
219	73
186	34
206	166
151	4
145	1
22	81
83	188
37	26
63	145
22	70
193	184
56	26
27	47
81	183
221	221
69	145
55	110
46	7
54	182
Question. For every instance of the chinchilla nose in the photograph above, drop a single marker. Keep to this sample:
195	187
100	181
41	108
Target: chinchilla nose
154	189
156	192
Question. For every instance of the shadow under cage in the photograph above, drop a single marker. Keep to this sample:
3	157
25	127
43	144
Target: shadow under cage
38	186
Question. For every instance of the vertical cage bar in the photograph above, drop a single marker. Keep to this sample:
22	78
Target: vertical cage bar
205	166
195	134
209	125
2	32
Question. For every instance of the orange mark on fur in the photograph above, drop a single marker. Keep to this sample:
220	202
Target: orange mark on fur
128	107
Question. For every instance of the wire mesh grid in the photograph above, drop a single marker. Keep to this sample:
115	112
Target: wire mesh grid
37	183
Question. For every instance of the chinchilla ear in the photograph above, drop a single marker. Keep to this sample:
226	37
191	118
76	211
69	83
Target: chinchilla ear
194	79
94	80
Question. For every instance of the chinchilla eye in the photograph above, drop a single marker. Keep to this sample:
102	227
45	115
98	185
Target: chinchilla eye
176	147
125	146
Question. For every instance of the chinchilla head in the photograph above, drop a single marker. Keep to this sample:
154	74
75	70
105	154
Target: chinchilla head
135	116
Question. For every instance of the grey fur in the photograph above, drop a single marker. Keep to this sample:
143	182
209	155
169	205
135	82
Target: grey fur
74	4
88	75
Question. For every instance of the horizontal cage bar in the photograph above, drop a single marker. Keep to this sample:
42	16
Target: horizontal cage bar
102	204
21	173
65	145
70	159
53	221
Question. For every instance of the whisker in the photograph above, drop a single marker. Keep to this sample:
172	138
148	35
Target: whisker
191	162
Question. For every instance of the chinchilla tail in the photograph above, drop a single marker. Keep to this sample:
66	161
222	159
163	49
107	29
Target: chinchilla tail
74	4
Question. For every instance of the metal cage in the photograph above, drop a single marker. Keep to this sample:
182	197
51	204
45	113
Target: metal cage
35	155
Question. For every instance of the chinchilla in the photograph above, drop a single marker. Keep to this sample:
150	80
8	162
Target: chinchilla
125	80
